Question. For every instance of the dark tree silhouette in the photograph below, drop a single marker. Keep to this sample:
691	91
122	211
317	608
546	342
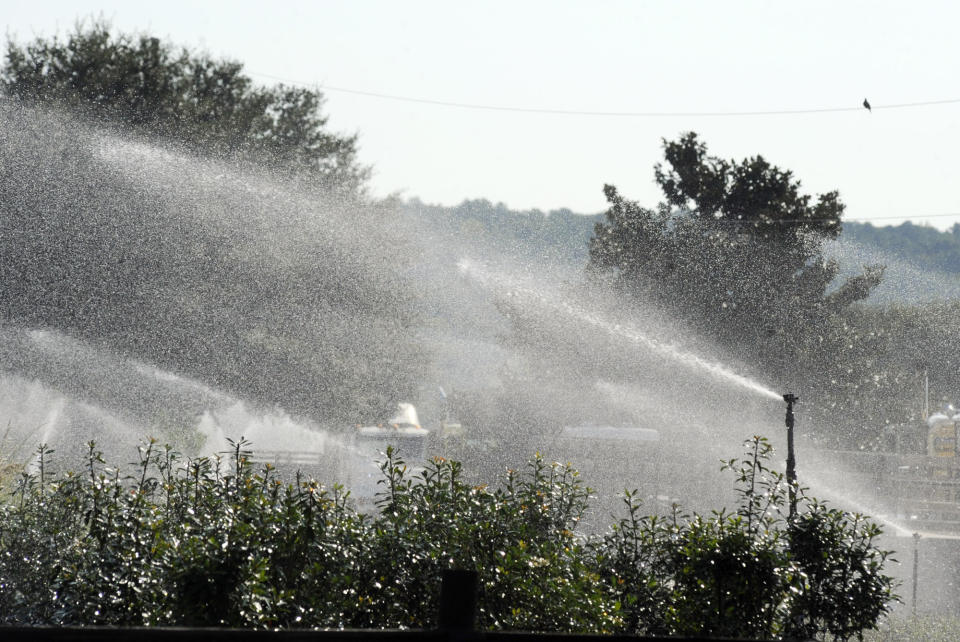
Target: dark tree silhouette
209	105
736	248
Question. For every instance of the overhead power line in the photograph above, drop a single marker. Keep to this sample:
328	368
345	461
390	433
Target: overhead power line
614	114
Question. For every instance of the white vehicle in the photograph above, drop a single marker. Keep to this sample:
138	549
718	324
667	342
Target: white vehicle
368	446
403	432
352	459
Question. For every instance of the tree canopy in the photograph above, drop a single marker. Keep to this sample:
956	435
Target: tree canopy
264	280
736	247
209	105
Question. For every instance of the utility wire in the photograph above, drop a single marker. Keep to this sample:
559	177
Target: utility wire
615	114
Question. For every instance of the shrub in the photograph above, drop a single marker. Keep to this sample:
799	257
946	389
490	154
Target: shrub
213	542
749	573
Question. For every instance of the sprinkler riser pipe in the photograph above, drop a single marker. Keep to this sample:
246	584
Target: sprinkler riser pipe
791	398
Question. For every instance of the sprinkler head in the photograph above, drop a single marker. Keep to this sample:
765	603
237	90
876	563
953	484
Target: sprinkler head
791	398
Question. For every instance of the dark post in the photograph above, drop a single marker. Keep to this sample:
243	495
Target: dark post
458	600
791	458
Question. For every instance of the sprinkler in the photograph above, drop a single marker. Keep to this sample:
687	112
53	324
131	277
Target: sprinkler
791	398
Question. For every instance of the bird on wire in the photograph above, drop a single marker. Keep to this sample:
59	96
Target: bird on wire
866	103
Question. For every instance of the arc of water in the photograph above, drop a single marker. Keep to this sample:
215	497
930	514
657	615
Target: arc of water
487	278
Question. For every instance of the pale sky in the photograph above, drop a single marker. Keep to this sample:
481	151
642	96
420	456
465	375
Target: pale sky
614	56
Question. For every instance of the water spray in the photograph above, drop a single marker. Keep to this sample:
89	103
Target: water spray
548	298
791	399
916	568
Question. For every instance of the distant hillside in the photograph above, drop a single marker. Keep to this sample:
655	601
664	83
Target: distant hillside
922	261
925	247
560	235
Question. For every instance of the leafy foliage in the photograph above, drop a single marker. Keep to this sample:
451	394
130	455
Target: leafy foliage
216	543
264	287
209	105
749	573
737	251
241	249
736	247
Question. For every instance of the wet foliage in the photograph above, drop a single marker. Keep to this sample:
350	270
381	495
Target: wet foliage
738	252
750	572
209	105
215	542
158	203
232	278
736	247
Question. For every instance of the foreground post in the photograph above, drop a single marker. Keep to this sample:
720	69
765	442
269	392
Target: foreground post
458	600
791	459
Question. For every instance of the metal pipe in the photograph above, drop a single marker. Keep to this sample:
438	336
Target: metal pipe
791	457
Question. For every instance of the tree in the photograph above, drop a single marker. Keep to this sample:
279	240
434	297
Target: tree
209	105
736	248
269	284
